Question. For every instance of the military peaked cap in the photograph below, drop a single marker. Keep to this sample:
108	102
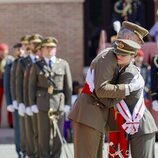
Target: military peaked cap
126	47
25	39
36	38
49	41
138	30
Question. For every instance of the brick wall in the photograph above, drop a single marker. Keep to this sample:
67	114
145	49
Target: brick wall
62	19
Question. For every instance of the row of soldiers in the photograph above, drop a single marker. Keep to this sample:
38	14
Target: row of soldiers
36	81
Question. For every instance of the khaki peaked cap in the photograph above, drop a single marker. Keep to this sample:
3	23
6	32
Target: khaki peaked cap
126	47
49	41
138	30
36	38
25	39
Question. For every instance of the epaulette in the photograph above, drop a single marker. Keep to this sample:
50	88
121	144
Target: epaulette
155	61
59	60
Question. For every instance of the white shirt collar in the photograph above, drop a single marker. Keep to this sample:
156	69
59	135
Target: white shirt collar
53	59
46	60
33	56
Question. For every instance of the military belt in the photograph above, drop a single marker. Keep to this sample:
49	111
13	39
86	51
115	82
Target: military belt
55	91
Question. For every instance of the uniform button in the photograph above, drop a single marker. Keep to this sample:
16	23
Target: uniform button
97	104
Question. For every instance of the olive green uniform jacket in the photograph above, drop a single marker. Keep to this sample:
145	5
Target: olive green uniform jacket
39	84
85	110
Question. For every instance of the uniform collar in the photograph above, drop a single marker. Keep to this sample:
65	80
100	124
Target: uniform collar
33	57
53	59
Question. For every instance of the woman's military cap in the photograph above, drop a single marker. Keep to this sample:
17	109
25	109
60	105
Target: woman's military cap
126	47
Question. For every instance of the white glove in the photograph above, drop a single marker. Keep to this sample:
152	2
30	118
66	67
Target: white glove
67	111
155	105
21	109
15	104
90	79
34	109
29	111
10	108
136	83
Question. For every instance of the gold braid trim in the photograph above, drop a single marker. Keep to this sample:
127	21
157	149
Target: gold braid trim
127	51
139	35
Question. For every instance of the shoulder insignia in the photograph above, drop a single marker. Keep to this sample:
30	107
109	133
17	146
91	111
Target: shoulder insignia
59	60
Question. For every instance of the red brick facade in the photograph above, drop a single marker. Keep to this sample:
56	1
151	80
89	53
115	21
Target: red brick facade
60	18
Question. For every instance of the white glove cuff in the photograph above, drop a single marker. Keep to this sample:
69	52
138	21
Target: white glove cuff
66	108
10	108
15	104
29	111
127	92
34	109
21	109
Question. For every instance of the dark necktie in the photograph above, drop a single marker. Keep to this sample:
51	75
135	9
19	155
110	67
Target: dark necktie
35	59
50	64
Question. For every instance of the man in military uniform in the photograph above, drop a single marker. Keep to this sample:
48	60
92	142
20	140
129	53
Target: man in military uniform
17	54
97	119
50	86
30	118
21	65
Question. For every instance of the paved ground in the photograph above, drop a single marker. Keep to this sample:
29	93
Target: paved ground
7	148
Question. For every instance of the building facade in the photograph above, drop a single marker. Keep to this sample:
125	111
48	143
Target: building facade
75	23
62	19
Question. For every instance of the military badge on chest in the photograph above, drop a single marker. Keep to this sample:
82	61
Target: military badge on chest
48	74
50	89
47	71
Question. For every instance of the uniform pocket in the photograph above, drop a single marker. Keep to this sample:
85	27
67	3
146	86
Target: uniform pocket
59	75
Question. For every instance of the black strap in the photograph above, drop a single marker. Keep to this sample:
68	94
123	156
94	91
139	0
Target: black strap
46	72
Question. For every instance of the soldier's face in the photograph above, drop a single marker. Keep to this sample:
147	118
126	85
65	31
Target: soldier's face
25	46
49	51
39	53
124	60
32	46
17	52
